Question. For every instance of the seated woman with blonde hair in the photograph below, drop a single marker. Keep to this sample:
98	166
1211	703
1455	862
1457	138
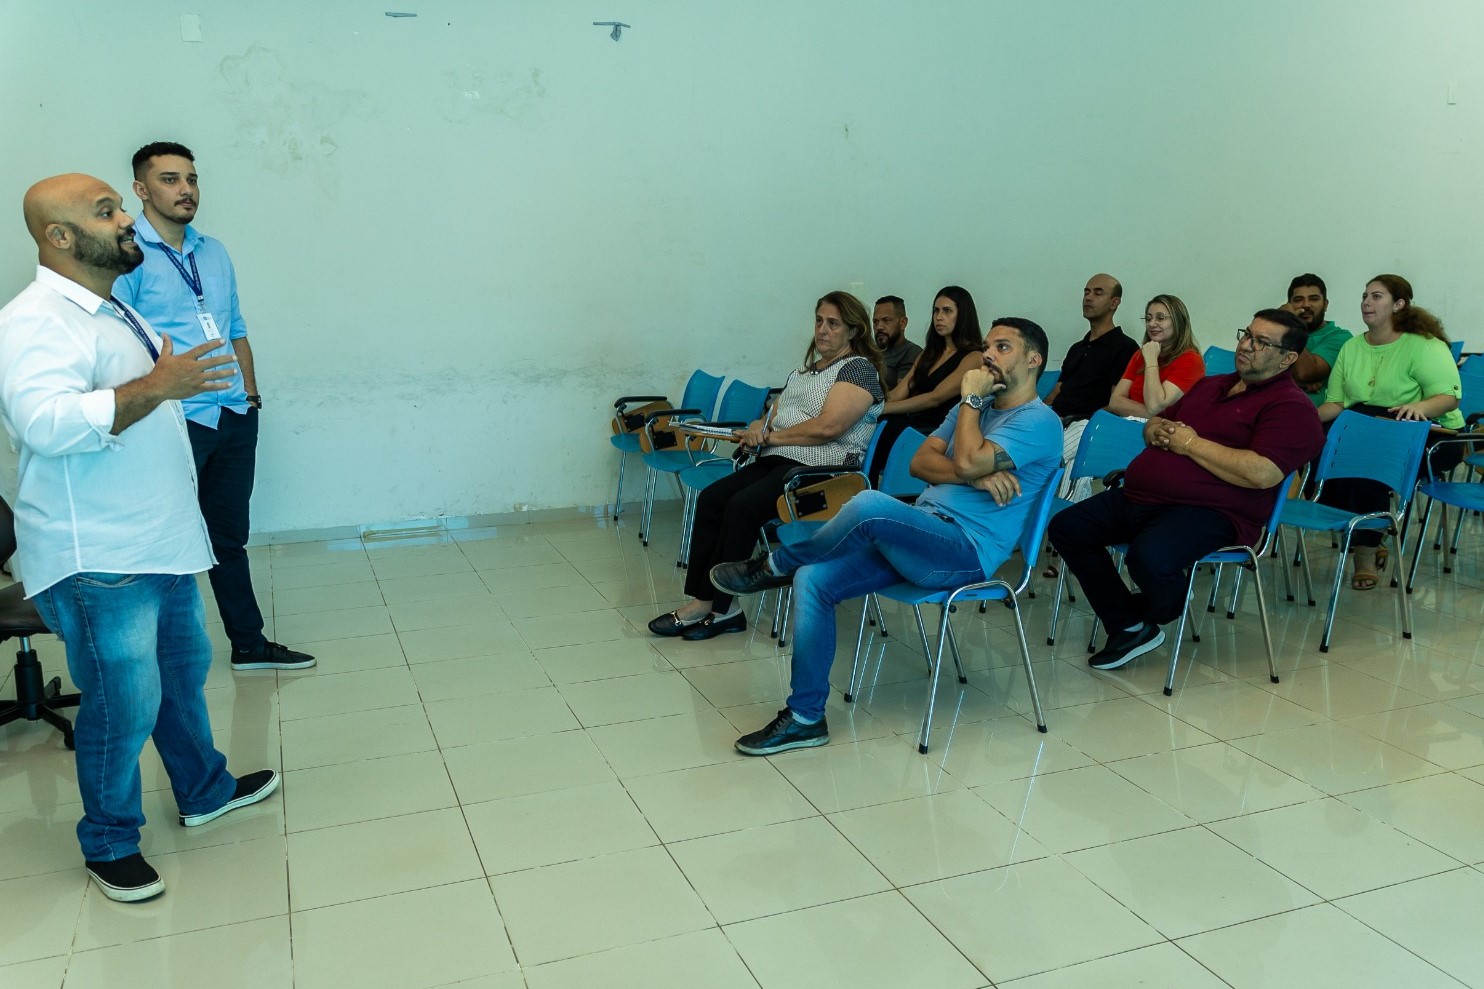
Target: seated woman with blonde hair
1166	365
1400	367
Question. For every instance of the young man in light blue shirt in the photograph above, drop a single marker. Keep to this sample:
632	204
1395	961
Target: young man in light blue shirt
187	290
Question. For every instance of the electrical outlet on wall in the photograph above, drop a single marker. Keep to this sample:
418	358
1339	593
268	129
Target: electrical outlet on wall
190	27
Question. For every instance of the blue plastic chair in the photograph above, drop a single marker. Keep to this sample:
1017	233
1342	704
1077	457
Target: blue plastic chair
1360	446
1108	443
1466	496
1457	348
1247	557
1047	382
694	478
1219	361
699	399
741	404
995	589
791	531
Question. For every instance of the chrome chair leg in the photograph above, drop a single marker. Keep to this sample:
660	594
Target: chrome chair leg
1025	659
935	666
623	460
855	660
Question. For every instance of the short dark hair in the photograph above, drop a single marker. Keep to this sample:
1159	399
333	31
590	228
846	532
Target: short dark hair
895	301
1030	333
155	149
1117	289
1295	333
1308	278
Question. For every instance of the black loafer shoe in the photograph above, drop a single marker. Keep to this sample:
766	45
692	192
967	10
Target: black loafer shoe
747	577
711	626
671	624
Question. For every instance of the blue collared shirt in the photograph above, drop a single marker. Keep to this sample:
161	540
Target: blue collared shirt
157	292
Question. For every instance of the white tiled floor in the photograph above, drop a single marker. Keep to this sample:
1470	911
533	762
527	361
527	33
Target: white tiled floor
497	779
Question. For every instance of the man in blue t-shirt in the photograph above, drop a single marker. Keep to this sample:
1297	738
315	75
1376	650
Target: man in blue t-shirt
984	469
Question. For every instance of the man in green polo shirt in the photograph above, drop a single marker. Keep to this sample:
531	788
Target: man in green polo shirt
1307	299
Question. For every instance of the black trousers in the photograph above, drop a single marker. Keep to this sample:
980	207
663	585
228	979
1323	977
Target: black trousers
226	458
729	513
1164	541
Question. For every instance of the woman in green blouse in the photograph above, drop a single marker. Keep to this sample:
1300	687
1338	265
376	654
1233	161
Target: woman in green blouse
1401	364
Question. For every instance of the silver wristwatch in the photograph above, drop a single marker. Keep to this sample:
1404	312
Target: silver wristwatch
974	401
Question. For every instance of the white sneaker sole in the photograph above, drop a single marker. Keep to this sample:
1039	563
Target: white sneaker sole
261	793
807	743
267	665
1135	653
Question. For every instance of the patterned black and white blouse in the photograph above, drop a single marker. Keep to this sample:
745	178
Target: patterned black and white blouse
803	398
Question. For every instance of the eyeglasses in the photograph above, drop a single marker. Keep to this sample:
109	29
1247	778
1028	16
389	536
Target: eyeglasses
1161	318
1258	343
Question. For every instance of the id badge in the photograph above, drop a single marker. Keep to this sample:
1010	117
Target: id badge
208	326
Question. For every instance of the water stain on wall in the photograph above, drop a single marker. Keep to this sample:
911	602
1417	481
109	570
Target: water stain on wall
506	94
283	123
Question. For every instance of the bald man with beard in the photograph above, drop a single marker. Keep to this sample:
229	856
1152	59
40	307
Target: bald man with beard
109	534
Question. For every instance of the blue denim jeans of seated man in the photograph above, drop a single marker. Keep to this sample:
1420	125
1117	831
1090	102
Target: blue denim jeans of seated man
138	652
875	541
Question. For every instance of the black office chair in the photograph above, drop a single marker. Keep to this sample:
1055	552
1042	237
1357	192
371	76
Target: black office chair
19	619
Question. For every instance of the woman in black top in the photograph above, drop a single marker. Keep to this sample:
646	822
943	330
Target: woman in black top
926	394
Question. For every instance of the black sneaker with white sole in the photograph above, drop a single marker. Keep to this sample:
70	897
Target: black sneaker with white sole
784	733
250	789
1124	647
127	880
271	656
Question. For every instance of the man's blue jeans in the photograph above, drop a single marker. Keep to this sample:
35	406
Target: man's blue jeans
874	542
138	652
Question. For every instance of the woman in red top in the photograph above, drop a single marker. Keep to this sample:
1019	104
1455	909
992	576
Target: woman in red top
1166	365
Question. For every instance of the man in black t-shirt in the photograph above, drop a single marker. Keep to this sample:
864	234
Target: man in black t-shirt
1090	371
1093	364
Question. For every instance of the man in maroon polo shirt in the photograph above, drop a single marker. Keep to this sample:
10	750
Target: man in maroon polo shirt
1208	479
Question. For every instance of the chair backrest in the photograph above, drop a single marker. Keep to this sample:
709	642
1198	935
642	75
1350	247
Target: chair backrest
700	393
1383	450
1472	398
1034	532
875	441
896	476
1219	361
1457	347
1108	443
742	402
7	531
1047	382
1270	528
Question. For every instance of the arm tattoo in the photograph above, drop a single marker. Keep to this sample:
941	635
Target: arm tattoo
1002	461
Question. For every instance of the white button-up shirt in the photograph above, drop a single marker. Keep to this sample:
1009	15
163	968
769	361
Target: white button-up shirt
90	501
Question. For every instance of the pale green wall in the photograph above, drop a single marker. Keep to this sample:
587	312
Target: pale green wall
459	235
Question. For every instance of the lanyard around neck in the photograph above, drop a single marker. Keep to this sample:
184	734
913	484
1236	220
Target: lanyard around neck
128	317
192	277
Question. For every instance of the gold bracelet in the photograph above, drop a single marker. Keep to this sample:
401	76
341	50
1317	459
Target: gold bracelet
1192	439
